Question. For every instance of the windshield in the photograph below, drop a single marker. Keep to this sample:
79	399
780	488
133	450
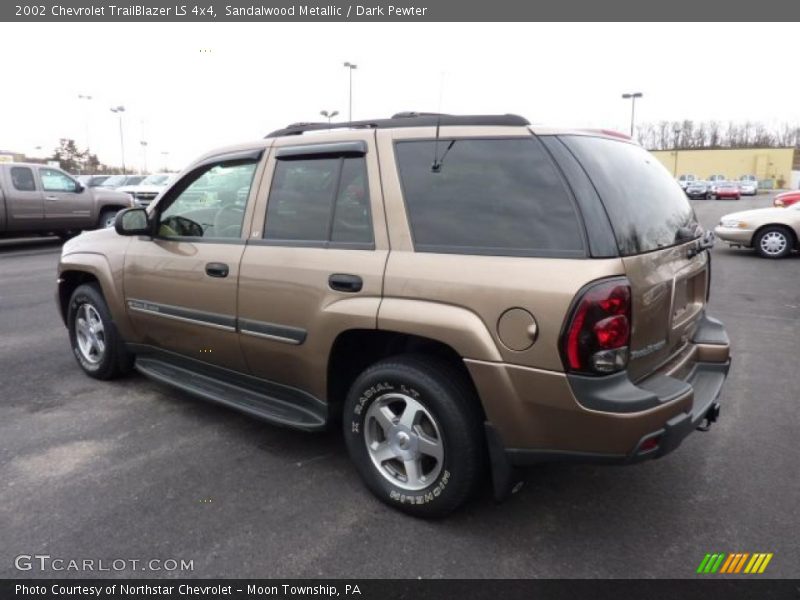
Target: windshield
156	180
647	209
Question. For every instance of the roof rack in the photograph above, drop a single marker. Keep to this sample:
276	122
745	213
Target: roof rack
406	119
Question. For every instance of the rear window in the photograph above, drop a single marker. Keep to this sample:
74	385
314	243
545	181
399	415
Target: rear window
646	207
490	196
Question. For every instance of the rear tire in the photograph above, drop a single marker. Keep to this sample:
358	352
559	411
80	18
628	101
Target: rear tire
95	342
414	431
774	241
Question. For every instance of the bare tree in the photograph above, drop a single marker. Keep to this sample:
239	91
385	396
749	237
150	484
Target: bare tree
712	134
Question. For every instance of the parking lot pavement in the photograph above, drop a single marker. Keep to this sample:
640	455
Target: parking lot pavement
135	470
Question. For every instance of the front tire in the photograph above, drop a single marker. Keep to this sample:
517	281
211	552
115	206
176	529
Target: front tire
95	342
413	429
774	242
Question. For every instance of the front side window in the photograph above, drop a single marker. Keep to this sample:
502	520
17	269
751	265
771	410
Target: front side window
212	205
489	196
22	178
319	201
56	181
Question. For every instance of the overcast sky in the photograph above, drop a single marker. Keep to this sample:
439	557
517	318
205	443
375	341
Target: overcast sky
255	77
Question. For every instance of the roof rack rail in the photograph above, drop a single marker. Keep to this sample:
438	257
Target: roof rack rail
406	119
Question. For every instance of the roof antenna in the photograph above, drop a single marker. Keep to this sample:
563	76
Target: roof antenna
436	167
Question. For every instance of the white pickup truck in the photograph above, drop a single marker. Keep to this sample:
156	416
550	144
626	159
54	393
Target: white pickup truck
39	199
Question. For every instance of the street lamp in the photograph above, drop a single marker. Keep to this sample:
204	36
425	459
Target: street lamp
329	115
351	67
677	131
144	157
119	110
632	97
88	99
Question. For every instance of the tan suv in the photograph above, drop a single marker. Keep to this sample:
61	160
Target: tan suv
458	292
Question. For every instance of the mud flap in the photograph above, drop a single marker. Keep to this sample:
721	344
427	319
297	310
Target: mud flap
506	479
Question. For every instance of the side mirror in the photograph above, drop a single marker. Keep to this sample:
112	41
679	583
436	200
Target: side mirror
79	187
132	221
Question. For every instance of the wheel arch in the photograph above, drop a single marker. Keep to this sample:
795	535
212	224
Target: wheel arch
354	350
792	233
79	268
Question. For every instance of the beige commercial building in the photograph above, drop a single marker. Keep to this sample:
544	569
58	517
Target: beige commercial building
774	167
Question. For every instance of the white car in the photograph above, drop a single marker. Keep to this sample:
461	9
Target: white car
748	185
150	187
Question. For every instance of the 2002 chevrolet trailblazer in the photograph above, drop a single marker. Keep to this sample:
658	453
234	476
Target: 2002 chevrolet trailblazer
459	292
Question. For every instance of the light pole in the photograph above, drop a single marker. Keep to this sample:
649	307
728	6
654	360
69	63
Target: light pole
88	99
329	115
677	131
165	154
632	97
119	110
144	157
350	67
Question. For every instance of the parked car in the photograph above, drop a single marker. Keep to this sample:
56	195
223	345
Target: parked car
773	232
748	184
698	189
716	178
37	199
786	198
685	180
748	188
725	190
117	181
384	293
145	191
91	181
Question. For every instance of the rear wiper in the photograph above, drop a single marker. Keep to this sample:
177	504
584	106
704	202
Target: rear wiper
705	242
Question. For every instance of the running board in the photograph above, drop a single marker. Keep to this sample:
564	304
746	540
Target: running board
271	402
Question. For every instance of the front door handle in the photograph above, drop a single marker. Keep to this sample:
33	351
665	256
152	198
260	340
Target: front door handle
51	197
342	282
216	269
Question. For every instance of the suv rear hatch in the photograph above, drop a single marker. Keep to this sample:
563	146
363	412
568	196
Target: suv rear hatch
657	234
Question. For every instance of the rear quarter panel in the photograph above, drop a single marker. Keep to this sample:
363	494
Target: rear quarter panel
420	287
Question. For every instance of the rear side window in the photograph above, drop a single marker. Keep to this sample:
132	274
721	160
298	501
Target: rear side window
646	207
491	196
22	178
319	201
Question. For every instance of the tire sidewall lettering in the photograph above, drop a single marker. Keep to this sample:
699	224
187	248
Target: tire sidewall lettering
424	497
366	397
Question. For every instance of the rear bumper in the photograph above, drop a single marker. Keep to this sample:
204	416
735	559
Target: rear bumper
603	419
706	381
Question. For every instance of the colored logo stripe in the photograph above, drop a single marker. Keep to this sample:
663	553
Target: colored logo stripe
735	562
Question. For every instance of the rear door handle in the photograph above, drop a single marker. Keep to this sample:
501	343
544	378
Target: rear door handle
342	282
216	269
51	197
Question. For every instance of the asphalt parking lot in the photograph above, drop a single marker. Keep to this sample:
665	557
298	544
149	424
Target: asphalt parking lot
135	470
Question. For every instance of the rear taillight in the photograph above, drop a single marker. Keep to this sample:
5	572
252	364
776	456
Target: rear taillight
598	332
